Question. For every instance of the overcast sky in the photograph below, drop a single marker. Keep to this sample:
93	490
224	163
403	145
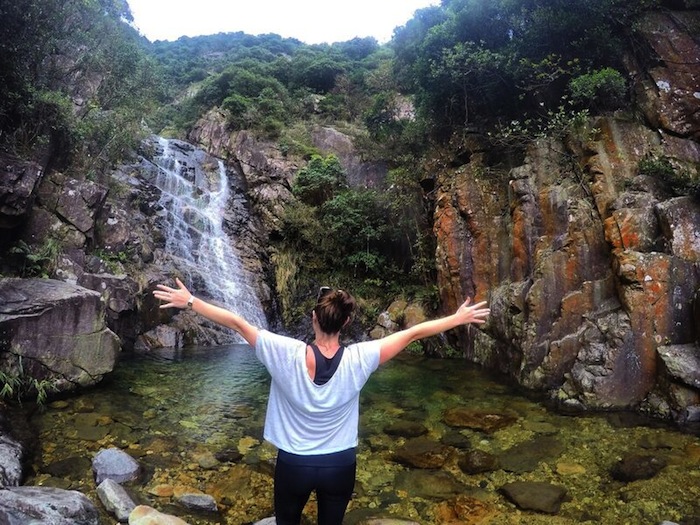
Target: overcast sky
311	21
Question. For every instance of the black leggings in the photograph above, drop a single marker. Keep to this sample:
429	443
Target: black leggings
294	484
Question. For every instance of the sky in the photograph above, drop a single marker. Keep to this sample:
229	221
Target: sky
311	21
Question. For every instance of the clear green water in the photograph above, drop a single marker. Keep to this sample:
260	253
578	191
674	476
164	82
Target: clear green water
175	414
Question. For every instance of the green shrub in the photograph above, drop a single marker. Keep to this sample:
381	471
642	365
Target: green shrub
319	180
678	180
35	261
604	89
19	386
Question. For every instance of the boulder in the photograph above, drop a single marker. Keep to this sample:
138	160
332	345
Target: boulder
11	453
633	467
145	515
114	464
535	495
422	452
18	182
77	203
115	499
46	505
55	331
682	363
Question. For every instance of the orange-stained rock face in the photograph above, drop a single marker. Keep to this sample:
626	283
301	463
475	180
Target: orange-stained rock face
580	291
588	264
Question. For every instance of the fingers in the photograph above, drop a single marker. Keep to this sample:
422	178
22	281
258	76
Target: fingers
180	285
169	294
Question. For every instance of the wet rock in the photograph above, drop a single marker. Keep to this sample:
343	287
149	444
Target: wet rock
637	466
456	439
11	454
228	455
114	464
73	468
535	495
45	505
487	422
524	457
422	453
408	429
19	180
570	469
33	311
145	515
115	499
87	427
682	362
477	461
464	510
205	459
203	502
428	484
162	336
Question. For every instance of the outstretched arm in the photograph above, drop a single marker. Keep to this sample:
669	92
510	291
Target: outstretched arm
392	344
179	297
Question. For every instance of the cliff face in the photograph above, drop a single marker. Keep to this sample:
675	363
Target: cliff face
590	265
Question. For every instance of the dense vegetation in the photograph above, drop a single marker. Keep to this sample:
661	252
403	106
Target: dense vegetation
77	83
74	81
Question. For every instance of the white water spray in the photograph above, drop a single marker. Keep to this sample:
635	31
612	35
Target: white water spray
194	201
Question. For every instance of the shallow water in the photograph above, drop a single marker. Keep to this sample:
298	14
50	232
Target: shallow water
175	412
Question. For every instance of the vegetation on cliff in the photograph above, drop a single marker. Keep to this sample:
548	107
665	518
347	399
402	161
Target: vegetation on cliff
79	88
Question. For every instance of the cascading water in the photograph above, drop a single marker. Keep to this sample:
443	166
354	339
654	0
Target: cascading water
194	195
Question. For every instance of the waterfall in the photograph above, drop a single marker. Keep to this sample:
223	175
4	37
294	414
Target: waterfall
194	196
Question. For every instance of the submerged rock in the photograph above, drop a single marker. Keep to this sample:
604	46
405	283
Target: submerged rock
477	461
428	484
535	495
488	422
524	457
637	466
422	453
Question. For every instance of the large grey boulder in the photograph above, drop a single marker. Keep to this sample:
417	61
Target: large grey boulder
10	461
47	506
115	499
114	464
18	183
55	331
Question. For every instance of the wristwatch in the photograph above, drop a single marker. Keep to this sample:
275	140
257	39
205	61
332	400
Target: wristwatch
190	302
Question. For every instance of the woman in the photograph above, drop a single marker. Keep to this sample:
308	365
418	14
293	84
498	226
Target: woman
313	409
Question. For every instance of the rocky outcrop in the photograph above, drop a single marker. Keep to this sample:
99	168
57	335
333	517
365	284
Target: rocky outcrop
18	182
269	171
590	265
668	90
55	332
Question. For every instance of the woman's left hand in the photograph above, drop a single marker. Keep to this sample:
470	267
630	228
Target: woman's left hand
173	297
472	313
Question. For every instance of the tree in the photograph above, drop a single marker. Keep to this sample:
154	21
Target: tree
319	180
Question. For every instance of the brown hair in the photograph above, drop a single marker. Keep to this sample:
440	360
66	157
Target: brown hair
333	309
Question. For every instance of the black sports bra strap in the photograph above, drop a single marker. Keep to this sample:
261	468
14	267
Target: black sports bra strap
325	367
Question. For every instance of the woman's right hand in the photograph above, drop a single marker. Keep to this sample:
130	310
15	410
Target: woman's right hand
173	297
